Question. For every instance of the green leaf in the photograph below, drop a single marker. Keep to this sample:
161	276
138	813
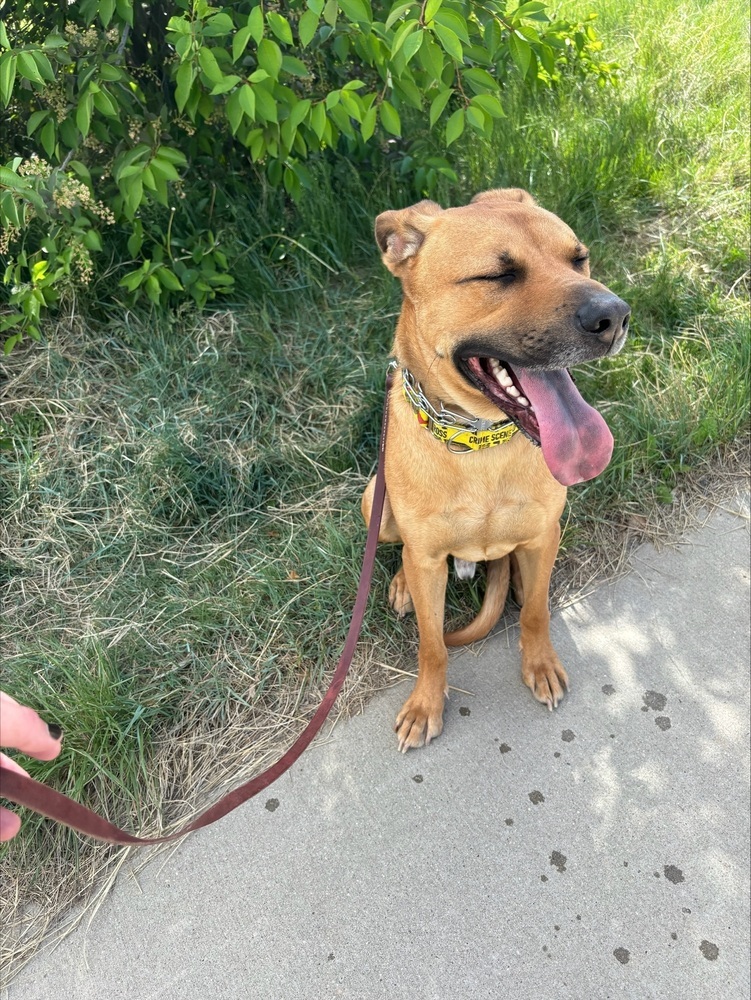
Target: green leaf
401	34
7	76
234	112
476	118
83	114
280	26
92	240
133	279
438	105
479	80
270	57
226	85
4	36
521	53
265	105
532	7
352	105
455	126
44	66
300	111
209	65
153	289
172	155
28	68
450	41
248	101
489	104
412	44
48	138
105	105
318	119
168	279
184	78
240	42
356	10
106	10
179	25
454	22
295	67
390	118
255	23
35	120
218	25
10	179
431	9
9	209
110	73
396	12
331	12
307	27
368	124
164	170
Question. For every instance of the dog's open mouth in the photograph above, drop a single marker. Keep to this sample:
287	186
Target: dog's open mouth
546	405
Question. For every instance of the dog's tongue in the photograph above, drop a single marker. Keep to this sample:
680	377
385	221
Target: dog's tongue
576	441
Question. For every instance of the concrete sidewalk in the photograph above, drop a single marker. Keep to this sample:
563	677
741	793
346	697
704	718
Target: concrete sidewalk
599	851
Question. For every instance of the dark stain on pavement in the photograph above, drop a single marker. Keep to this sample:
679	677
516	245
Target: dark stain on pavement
608	689
709	951
654	700
623	955
673	874
536	797
464	710
509	822
272	804
558	861
504	748
568	735
417	778
663	722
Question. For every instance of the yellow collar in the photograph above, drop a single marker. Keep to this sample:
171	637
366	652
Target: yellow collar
461	434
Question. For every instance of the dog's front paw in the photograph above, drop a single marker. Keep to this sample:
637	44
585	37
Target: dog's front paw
419	721
545	677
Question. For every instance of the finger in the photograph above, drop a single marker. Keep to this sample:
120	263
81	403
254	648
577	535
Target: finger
22	729
11	765
10	824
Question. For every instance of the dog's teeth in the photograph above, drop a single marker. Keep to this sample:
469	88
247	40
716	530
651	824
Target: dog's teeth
494	364
512	390
503	377
524	401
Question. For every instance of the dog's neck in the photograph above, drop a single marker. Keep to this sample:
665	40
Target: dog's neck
460	432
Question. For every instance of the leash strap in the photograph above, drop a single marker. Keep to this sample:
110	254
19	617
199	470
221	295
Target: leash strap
34	795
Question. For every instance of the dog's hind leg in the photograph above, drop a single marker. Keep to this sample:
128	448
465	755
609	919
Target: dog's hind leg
388	531
399	596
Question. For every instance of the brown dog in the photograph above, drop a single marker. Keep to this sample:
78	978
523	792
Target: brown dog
487	428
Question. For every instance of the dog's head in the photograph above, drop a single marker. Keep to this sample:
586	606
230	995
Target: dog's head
498	303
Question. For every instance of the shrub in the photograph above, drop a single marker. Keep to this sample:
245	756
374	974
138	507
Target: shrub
121	119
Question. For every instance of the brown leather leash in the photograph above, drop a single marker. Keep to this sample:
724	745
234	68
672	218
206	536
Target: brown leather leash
25	791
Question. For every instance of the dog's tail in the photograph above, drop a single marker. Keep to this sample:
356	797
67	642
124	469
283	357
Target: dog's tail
496	589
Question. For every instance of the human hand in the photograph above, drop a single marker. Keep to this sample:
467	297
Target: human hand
22	729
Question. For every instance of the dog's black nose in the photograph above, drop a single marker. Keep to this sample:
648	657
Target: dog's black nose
604	316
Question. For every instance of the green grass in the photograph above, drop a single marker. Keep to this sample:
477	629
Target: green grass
180	532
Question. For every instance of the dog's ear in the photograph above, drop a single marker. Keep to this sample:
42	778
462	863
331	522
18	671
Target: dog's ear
401	233
506	194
